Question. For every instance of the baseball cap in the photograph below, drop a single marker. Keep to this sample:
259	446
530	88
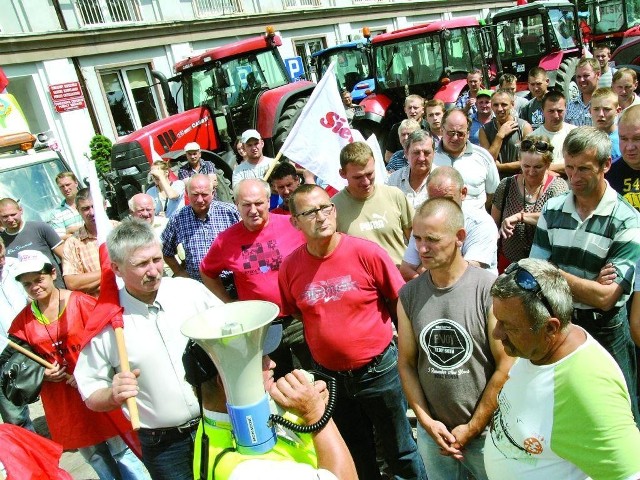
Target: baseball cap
484	93
30	261
191	147
249	134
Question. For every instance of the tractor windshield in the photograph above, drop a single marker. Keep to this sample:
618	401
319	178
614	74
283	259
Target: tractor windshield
351	67
563	28
234	82
607	16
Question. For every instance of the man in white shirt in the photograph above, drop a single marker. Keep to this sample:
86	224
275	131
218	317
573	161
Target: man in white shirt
154	310
554	106
255	164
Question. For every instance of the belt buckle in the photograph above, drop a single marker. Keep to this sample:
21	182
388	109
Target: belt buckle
189	426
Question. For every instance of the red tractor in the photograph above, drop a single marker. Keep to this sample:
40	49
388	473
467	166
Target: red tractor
544	34
609	21
225	91
431	60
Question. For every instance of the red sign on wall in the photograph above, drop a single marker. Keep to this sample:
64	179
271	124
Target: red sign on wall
67	96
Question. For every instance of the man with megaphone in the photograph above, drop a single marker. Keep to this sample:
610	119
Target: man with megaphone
220	451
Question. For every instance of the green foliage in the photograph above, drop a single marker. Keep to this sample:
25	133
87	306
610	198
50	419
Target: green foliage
101	152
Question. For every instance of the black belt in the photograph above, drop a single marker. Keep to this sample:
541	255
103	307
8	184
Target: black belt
374	362
593	314
183	429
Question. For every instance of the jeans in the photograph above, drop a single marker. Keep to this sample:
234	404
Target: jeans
612	330
373	398
113	459
440	467
168	455
14	415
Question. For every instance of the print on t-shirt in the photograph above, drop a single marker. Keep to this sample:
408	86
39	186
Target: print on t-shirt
260	258
448	346
328	290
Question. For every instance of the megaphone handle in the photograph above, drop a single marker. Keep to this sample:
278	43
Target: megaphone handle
124	366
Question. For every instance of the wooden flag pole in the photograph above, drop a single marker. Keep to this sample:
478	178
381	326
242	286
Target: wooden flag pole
33	356
125	367
272	166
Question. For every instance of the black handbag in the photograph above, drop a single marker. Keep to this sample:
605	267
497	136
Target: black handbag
21	377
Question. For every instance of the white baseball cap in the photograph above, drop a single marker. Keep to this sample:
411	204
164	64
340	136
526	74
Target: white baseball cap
249	134
30	261
191	147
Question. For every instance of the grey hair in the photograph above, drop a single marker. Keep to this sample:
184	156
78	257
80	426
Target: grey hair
446	172
417	137
585	138
552	285
262	183
130	235
198	176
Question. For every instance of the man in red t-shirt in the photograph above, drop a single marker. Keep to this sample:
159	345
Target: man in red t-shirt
253	250
345	290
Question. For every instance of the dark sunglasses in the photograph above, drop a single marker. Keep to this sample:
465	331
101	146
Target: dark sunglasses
526	281
540	146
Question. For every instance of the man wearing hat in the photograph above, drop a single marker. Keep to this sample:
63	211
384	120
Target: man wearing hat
195	163
256	164
295	455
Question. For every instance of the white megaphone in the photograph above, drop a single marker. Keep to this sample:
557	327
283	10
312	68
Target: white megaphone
233	336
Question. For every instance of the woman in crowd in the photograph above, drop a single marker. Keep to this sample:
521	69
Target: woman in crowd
519	199
53	325
168	197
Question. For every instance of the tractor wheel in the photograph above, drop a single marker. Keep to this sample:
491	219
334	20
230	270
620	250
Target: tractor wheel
564	78
219	163
286	121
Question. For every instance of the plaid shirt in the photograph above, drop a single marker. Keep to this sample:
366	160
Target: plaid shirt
397	161
462	101
81	255
206	168
64	217
195	235
578	113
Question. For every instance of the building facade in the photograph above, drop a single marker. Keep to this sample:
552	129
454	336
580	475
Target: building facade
81	67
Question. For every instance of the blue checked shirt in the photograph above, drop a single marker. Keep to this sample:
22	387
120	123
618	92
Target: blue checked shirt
462	101
195	235
206	168
397	161
578	113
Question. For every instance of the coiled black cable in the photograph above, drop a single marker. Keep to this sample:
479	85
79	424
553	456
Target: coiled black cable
326	416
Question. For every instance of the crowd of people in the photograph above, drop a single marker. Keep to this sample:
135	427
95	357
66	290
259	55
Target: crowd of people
488	283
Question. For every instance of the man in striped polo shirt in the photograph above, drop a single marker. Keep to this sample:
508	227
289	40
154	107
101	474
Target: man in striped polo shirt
585	229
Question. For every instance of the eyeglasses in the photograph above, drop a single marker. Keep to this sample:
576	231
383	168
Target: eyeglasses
541	146
526	281
313	213
453	133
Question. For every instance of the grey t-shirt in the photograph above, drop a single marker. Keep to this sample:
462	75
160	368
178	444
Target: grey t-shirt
35	236
450	325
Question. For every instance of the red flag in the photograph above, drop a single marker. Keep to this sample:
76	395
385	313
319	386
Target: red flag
4	81
28	456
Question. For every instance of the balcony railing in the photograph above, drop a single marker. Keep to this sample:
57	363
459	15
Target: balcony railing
301	3
102	12
210	8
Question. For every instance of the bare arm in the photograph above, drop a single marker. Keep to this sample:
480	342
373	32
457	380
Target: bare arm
124	385
592	293
84	282
387	156
409	271
489	202
176	267
59	250
216	287
489	401
408	370
163	183
295	393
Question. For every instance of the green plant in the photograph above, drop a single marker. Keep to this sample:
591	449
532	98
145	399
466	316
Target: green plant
101	152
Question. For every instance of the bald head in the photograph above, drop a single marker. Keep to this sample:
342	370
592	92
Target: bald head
630	116
444	208
448	183
141	206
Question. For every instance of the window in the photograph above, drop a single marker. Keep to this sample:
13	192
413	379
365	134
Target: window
304	49
301	3
210	8
100	12
131	97
521	37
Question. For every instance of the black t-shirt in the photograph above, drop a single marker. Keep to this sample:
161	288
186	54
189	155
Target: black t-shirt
393	142
626	181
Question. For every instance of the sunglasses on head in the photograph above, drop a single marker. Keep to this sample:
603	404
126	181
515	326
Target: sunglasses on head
540	146
526	281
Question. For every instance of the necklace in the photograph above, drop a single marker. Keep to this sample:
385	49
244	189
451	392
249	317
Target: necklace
529	198
57	343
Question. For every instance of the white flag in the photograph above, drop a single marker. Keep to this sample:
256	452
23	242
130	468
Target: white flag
4	341
321	131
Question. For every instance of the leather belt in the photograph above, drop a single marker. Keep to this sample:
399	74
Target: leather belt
183	429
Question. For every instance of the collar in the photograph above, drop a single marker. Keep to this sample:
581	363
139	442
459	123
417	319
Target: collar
605	208
134	306
468	150
83	234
